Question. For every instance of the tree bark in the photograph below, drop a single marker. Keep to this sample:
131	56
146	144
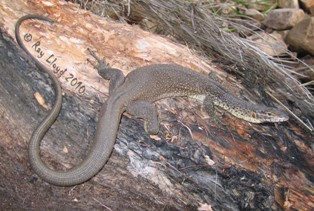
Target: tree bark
195	161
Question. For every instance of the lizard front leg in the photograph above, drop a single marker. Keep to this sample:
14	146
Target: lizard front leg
147	111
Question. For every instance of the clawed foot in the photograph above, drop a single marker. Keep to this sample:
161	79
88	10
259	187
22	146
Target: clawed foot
101	62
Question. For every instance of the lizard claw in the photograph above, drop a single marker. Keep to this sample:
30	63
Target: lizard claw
101	62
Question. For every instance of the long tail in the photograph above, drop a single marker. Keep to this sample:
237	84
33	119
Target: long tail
41	130
101	149
97	157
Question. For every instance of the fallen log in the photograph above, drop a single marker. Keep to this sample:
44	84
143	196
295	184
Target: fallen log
196	160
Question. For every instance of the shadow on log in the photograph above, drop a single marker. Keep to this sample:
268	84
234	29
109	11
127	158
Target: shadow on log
196	161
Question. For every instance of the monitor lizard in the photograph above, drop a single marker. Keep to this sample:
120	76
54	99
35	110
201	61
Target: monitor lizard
135	94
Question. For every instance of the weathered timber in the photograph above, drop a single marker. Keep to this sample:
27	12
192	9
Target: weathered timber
268	166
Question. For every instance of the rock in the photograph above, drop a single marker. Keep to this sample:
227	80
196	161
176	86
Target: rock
260	5
226	9
288	4
255	14
283	19
308	5
272	44
302	35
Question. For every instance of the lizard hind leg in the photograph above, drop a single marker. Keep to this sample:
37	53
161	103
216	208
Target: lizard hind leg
101	62
147	111
115	76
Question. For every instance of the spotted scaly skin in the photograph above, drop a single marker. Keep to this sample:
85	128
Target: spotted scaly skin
135	94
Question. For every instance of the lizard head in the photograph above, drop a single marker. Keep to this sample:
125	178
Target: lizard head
266	114
252	112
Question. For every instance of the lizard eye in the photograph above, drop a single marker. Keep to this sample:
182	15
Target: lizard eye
269	114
